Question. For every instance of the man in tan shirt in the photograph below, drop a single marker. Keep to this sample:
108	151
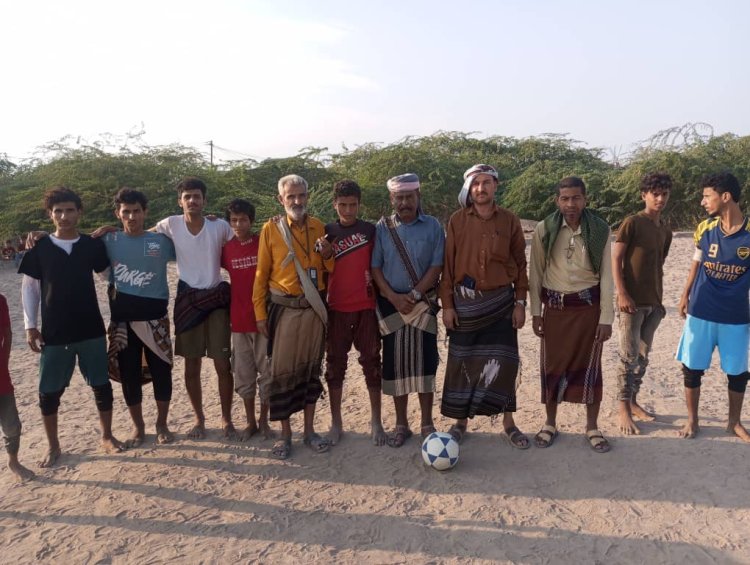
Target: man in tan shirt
483	291
571	290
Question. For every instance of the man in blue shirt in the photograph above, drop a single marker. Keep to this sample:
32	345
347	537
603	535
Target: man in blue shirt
715	301
406	262
138	299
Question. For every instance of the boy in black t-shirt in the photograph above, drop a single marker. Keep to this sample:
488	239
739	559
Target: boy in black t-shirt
59	275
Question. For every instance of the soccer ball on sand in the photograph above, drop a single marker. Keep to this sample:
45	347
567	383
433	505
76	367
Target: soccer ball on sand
440	451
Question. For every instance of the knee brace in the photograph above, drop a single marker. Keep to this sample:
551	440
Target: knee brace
692	377
103	397
49	402
738	383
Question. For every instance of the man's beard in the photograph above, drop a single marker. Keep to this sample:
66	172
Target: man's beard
296	213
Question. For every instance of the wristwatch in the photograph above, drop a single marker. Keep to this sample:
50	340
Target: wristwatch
521	303
415	294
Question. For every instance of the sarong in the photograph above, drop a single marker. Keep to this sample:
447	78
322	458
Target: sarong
410	353
480	377
297	344
571	361
153	333
193	305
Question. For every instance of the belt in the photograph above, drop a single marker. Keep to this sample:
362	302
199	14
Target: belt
299	302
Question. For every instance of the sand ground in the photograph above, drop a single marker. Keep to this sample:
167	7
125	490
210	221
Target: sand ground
653	499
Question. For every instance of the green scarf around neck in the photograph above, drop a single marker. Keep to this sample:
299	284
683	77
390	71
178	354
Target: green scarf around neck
594	230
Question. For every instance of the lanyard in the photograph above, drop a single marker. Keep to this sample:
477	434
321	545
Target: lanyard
307	247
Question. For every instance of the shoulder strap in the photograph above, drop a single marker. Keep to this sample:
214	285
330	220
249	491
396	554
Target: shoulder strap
311	291
402	252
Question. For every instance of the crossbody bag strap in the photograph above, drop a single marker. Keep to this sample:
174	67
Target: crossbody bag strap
311	291
402	252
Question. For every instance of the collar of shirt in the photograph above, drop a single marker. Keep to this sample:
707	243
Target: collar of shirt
420	218
473	211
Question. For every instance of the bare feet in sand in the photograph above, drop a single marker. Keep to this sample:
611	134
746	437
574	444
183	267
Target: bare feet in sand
334	434
625	420
689	430
164	435
198	431
249	431
112	445
51	457
229	431
739	430
639	412
266	431
136	440
22	473
379	437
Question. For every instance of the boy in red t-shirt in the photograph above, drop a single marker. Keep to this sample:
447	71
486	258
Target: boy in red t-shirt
351	308
9	421
239	257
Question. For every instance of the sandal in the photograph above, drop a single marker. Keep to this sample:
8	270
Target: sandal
546	436
597	441
457	432
282	449
399	436
517	438
427	430
317	443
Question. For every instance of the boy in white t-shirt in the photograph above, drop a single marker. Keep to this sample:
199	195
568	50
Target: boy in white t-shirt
205	330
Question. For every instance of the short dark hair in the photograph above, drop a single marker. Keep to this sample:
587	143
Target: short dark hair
240	206
723	182
59	194
656	181
191	183
571	182
347	187
127	195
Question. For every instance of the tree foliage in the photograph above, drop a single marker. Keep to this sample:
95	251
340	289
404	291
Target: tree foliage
529	170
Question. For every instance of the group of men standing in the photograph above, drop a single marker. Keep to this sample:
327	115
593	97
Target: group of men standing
303	289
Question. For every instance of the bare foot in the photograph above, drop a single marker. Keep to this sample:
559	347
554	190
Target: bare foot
334	434
229	431
50	457
689	430
640	413
22	473
266	431
249	431
627	425
136	440
112	445
198	431
379	437
164	435
739	430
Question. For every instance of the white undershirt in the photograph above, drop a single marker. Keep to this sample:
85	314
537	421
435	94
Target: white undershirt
31	288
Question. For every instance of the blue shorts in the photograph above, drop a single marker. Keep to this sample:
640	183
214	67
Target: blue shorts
59	361
700	337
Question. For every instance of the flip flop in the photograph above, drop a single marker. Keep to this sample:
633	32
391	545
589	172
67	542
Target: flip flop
457	432
427	430
516	437
597	441
282	449
546	436
399	436
317	443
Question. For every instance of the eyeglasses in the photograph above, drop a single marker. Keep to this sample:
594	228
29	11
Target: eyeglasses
571	248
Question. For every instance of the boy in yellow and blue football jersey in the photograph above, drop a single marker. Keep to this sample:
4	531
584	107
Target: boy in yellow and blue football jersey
715	301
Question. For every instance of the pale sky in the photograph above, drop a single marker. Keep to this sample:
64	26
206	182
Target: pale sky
267	78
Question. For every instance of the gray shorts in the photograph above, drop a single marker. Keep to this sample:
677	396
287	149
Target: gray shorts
10	423
250	364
